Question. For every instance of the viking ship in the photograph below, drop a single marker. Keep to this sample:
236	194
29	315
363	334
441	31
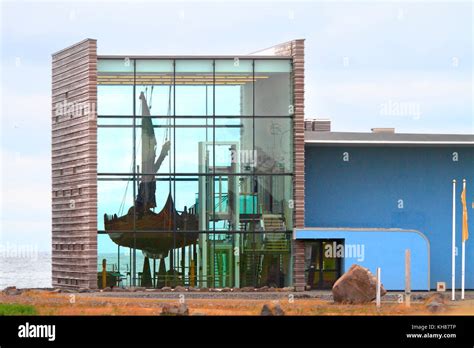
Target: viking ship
141	228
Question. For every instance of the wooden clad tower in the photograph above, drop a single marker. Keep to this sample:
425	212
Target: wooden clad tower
74	166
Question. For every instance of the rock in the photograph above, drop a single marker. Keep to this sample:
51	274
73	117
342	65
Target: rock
418	297
302	296
165	288
288	289
204	290
11	291
137	288
226	290
263	289
272	310
119	289
194	289
436	307
277	310
436	303
179	288
175	310
266	310
247	289
107	289
357	285
66	291
438	297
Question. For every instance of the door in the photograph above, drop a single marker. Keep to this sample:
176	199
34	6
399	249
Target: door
323	263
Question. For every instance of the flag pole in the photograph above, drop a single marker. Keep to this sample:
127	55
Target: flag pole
453	257
463	263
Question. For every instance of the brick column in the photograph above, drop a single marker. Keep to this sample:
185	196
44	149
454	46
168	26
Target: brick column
74	166
295	49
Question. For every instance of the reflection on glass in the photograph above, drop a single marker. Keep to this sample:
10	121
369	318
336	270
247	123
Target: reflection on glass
273	92
274	145
114	100
207	199
194	87
119	66
115	150
234	87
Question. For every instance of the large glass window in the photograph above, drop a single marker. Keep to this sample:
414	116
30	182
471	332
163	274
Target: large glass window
154	78
234	87
274	145
115	87
194	87
273	91
115	153
195	171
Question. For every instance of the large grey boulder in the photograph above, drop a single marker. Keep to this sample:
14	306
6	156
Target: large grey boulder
357	285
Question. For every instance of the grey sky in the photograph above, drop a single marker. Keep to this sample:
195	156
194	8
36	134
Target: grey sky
406	65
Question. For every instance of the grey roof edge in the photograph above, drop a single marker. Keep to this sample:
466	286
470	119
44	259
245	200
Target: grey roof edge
343	138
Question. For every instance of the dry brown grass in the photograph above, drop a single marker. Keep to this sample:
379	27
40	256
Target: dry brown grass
48	303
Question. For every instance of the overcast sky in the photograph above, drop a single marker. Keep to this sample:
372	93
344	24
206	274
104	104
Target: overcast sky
406	65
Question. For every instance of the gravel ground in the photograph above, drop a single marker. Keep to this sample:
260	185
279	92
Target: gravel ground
267	294
315	294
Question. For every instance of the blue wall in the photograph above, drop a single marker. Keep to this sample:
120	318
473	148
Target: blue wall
364	193
384	249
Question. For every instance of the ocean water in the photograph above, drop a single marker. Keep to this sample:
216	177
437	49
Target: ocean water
32	271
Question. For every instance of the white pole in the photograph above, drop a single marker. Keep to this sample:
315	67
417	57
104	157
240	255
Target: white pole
453	258
407	277
463	262
377	296
463	267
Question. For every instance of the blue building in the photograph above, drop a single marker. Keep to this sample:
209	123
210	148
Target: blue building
197	171
373	195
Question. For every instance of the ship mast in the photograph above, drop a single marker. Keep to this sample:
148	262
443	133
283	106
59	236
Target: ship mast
147	187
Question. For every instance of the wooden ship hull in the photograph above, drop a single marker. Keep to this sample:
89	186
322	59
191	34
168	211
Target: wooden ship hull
155	231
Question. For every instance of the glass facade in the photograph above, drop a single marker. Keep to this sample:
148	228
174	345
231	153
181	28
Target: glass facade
195	170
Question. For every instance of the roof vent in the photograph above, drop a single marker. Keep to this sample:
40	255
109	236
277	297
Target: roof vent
383	130
317	125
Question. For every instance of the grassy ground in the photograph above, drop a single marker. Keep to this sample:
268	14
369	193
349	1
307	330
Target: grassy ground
17	309
50	303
